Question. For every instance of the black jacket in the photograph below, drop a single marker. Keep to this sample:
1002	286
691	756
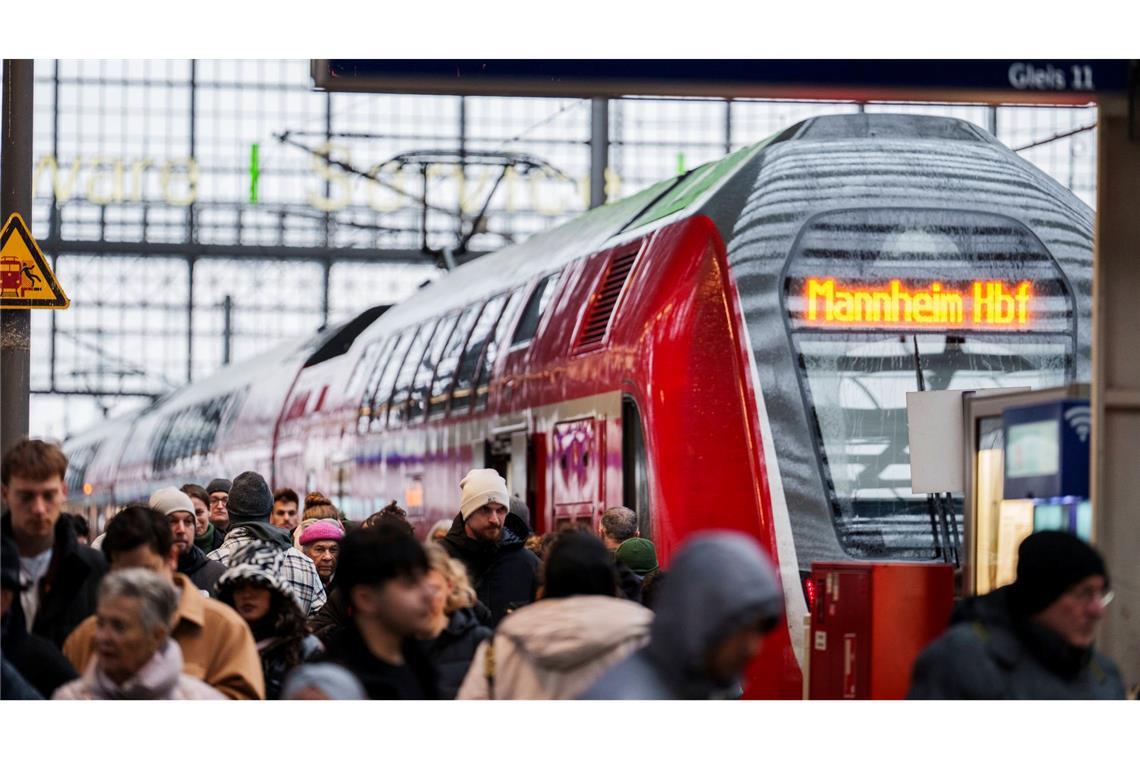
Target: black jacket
990	653
200	569
67	592
333	614
451	652
274	662
36	659
629	581
504	574
345	647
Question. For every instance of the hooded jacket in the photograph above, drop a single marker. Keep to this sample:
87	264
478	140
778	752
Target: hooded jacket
200	569
718	582
160	678
990	653
453	649
503	573
68	591
557	648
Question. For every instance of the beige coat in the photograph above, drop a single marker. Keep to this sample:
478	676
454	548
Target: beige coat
557	648
217	646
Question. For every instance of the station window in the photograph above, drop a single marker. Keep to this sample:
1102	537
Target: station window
382	391
535	308
468	368
421	388
449	359
417	355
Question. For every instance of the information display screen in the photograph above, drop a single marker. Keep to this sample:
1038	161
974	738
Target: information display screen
1032	450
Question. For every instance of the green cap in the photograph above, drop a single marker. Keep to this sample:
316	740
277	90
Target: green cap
638	554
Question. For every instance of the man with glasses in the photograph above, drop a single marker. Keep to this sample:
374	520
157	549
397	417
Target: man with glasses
219	490
1032	639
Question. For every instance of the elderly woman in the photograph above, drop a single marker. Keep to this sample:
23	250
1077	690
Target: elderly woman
135	658
458	629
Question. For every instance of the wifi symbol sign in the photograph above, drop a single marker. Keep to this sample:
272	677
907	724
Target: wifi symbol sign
1080	419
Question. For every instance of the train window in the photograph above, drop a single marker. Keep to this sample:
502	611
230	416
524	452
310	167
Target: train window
77	464
449	359
417	354
365	370
417	404
498	340
535	308
465	373
857	386
491	353
190	432
635	466
382	391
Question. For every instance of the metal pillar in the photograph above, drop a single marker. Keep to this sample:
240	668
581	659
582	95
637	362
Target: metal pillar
599	149
191	226
326	271
1116	382
190	319
727	126
991	120
227	328
15	196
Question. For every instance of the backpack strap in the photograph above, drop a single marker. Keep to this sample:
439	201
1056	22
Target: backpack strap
489	667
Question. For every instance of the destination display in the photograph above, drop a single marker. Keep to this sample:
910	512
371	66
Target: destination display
981	304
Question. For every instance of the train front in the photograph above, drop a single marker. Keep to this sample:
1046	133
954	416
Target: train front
880	254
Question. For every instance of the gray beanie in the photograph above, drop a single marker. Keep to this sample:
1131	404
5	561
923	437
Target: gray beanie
250	499
332	680
219	484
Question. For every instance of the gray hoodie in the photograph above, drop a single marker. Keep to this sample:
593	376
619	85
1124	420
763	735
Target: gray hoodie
718	582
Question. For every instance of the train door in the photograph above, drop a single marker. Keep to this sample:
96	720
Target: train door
518	456
635	466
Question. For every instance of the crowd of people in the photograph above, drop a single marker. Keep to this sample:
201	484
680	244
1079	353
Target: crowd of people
234	591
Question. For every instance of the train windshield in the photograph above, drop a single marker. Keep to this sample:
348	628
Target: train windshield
882	302
857	383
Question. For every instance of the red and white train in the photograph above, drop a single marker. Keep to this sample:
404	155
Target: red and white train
730	348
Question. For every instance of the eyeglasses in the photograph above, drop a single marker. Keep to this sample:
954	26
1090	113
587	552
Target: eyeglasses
219	499
1086	595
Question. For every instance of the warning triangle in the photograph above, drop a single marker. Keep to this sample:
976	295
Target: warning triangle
26	280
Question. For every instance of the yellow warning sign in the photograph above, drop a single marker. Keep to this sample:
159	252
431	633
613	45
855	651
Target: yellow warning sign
26	280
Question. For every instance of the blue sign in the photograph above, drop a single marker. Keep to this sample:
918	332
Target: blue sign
1047	450
1028	80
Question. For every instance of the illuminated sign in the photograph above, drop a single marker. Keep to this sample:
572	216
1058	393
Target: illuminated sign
984	303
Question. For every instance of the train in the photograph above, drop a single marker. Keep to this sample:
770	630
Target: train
727	349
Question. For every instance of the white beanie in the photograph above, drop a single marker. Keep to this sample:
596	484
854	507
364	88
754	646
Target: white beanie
171	500
481	487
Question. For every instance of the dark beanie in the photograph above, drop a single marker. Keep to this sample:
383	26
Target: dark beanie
1048	564
219	484
250	499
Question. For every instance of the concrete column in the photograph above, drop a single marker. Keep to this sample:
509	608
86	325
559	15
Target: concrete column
1116	381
